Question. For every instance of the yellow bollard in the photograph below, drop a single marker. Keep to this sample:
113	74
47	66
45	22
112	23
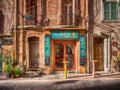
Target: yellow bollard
65	69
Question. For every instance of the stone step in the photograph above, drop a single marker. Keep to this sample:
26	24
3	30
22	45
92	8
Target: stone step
61	72
30	74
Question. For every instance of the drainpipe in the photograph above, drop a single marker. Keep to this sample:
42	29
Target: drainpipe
15	27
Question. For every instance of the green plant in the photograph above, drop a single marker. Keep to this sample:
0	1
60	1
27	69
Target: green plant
8	68
15	63
16	72
7	59
11	66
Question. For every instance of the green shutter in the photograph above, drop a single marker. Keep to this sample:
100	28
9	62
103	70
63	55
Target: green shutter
106	15
106	11
110	10
114	11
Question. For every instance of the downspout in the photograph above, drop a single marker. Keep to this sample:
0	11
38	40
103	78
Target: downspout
15	27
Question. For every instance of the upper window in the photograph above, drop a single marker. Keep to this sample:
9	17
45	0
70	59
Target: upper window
110	10
31	11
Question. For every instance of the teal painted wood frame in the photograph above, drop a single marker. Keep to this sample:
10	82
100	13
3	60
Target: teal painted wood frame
82	49
66	35
47	50
82	45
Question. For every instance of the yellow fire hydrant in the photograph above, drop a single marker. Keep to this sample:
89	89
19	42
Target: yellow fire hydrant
65	69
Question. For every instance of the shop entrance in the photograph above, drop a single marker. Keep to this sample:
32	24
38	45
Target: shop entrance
64	51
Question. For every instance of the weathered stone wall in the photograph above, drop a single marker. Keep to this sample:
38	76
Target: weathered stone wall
7	7
52	11
110	27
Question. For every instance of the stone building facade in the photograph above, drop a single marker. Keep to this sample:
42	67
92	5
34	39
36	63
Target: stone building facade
104	32
6	28
50	32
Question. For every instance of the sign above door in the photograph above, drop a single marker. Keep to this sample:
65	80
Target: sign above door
67	35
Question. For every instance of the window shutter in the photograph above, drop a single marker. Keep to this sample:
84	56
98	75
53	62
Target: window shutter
114	10
110	10
70	15
65	17
106	11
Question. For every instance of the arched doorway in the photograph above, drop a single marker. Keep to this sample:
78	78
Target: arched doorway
33	52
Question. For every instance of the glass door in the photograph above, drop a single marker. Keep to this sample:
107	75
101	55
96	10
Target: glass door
70	55
64	51
59	56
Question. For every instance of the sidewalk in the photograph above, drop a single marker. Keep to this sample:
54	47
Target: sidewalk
57	82
71	76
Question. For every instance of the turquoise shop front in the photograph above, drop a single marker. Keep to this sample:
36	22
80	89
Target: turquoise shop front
60	46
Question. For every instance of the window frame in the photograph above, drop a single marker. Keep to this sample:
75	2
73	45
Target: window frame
111	11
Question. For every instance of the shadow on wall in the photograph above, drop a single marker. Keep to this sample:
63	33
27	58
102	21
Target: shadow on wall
91	16
1	22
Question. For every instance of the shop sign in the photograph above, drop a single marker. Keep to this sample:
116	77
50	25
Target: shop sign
47	50
67	35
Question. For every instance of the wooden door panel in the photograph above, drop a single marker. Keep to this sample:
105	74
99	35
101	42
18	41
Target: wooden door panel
34	54
98	53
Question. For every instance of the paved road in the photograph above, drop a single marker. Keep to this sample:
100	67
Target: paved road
108	82
60	85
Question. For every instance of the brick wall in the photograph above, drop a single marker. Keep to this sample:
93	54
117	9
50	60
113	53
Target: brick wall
7	10
52	11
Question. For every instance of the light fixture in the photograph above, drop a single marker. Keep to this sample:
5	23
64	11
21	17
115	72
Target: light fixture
98	33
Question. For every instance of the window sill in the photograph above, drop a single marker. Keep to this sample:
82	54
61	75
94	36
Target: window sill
110	21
